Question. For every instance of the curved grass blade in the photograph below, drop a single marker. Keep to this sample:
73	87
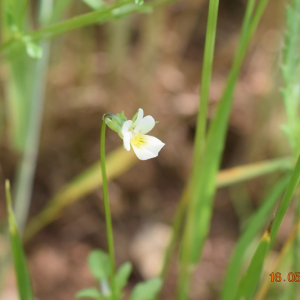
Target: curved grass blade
285	202
22	274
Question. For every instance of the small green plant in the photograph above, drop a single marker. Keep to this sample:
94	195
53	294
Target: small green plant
100	268
133	132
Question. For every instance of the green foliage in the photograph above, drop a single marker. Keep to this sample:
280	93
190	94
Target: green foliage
286	200
23	278
255	224
146	290
291	75
121	278
99	265
115	122
203	181
250	280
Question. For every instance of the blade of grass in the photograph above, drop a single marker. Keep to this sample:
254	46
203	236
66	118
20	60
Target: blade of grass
285	202
203	178
262	293
205	80
250	280
254	225
23	278
204	184
238	174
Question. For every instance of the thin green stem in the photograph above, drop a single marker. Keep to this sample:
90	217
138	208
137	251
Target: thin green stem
285	202
109	230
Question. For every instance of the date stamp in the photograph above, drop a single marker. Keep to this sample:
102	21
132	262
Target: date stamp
291	277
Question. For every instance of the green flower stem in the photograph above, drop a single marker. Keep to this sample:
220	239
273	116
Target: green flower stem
109	230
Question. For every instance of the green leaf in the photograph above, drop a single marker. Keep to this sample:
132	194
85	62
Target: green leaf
22	274
34	50
92	293
121	277
146	290
95	4
122	117
250	280
99	265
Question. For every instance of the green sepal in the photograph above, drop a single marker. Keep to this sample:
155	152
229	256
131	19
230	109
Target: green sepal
115	122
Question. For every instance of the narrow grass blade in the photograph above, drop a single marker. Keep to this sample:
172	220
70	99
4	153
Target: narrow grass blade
117	163
286	200
23	278
253	227
203	183
242	173
205	80
251	279
261	294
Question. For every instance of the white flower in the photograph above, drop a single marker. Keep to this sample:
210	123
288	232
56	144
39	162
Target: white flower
134	134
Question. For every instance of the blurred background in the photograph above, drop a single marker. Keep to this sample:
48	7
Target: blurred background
151	61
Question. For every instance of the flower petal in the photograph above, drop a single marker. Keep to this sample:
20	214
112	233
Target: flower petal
139	116
145	125
149	149
126	126
126	140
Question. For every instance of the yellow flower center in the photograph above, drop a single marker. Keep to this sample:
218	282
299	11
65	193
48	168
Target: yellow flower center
138	141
